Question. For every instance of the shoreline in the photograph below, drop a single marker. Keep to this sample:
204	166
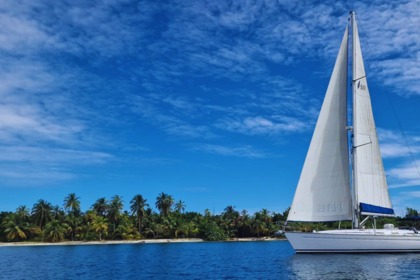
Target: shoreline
141	241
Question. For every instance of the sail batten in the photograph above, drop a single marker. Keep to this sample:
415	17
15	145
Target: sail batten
323	192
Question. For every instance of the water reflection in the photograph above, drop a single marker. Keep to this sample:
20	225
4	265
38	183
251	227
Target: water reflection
355	266
214	260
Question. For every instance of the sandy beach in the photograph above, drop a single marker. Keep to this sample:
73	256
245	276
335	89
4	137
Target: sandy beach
116	242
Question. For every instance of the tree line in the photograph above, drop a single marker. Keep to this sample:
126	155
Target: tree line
106	220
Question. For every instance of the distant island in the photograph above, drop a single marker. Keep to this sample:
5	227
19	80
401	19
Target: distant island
106	223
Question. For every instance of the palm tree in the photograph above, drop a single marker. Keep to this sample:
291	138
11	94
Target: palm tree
100	226
138	203
42	212
411	213
164	203
264	215
57	213
126	230
75	225
72	204
114	211
14	229
244	223
285	214
230	213
180	206
55	231
230	218
259	226
186	229
22	213
101	206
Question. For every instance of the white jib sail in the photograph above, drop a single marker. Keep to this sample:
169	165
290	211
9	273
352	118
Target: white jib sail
323	191
369	176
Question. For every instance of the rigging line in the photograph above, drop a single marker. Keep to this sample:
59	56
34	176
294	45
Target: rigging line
403	134
363	145
392	106
359	79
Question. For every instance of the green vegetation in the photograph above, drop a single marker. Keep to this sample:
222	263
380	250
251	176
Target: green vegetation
106	220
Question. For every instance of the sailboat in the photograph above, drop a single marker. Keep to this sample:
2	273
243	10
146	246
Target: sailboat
343	177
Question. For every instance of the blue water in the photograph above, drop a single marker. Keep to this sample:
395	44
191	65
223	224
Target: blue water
219	260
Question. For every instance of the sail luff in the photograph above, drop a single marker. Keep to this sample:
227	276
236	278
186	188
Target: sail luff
371	190
323	191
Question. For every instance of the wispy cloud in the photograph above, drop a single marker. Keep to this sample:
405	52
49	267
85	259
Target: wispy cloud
25	165
172	120
73	71
403	200
237	151
43	126
52	156
34	176
31	110
398	145
395	149
262	125
405	175
392	44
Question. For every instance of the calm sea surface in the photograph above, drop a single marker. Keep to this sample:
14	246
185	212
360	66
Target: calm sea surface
224	260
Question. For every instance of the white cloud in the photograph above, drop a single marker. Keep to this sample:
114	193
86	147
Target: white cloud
408	171
394	150
407	175
21	35
238	151
396	145
42	126
415	194
28	166
403	200
28	176
173	120
68	65
263	126
54	156
402	74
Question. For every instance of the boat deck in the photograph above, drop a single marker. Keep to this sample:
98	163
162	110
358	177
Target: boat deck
395	231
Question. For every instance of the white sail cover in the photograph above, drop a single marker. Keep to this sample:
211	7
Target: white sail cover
369	177
323	191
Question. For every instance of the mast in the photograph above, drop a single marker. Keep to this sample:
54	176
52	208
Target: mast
356	210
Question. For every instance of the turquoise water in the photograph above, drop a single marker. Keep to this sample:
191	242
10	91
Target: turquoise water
218	260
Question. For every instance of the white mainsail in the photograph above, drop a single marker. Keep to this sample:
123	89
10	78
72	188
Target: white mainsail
371	189
323	191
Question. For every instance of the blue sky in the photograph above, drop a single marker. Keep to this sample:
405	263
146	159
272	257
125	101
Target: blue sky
213	102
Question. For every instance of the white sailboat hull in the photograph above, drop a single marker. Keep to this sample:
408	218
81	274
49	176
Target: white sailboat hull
355	241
